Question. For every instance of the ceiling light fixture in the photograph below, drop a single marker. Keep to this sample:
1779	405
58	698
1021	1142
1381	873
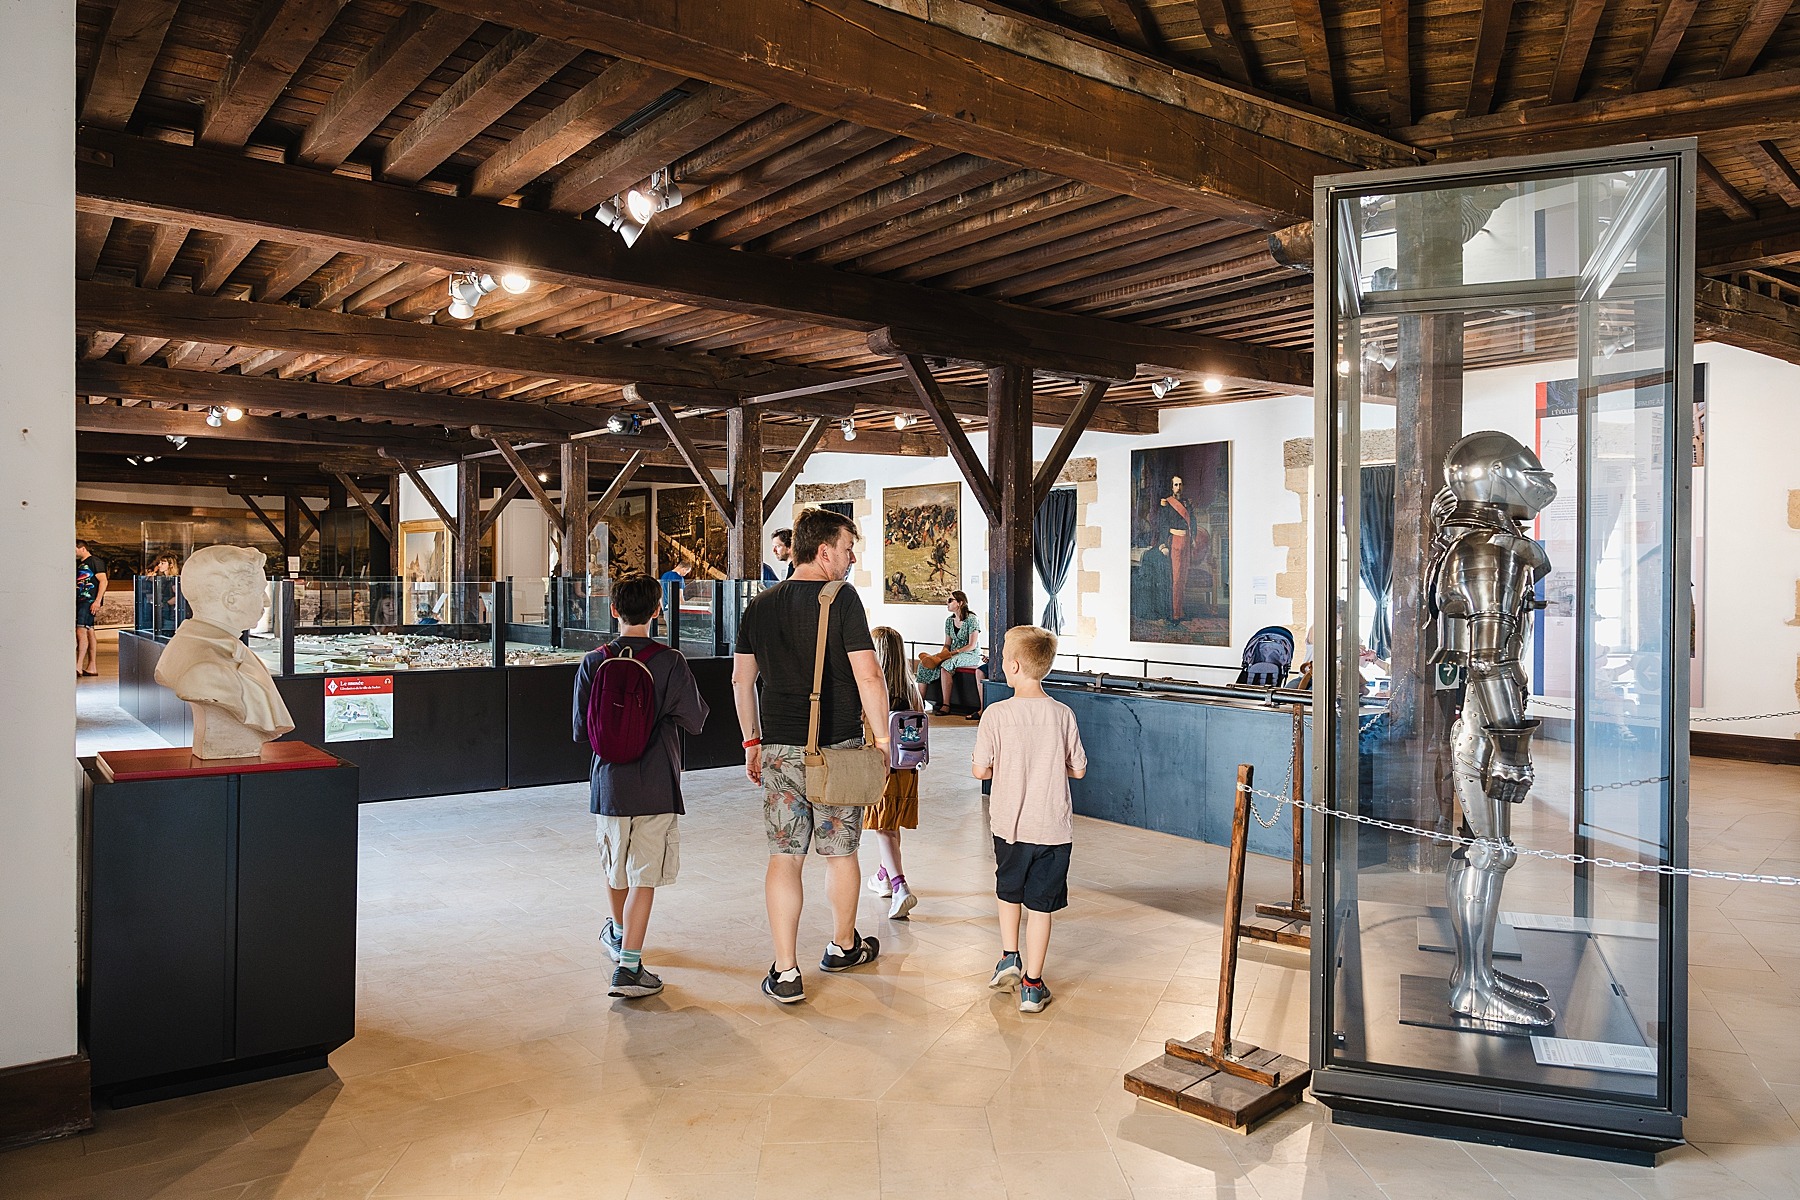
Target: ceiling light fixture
1162	387
466	290
543	477
149	458
133	461
625	422
629	216
515	282
233	413
180	441
1213	384
902	421
848	425
215	415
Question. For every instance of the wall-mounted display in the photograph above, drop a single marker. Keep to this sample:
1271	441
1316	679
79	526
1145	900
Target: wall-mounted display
921	543
627	526
689	529
1181	544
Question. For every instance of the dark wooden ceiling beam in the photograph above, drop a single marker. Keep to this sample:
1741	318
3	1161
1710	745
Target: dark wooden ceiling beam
516	67
796	463
1764	105
1132	22
1665	38
528	477
147	180
1171	137
951	177
1073	428
165	422
376	517
1783	180
1579	27
684	445
328	399
1225	37
159	254
806	158
134	36
393	69
974	472
1759	25
1723	194
680	129
884	164
301	263
1315	51
222	255
1729	246
226	455
1396	60
279	38
1724	312
1490	46
275	531
109	466
591	113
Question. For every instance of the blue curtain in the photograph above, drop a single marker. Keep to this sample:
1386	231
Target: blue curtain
1377	543
1053	549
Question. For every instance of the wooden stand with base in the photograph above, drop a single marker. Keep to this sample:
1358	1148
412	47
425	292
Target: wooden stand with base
1233	1084
1289	924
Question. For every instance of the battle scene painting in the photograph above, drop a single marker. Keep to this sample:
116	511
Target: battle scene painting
921	543
689	529
1181	544
627	527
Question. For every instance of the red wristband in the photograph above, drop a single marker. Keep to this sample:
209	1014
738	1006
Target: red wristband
752	742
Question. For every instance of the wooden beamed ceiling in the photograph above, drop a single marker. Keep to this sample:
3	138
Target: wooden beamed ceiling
275	193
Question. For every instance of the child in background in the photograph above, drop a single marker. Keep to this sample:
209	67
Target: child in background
1030	747
637	803
899	807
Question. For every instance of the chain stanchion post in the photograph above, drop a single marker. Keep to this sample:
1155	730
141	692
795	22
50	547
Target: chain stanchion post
1293	919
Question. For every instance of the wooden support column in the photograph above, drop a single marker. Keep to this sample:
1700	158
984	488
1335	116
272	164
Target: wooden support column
575	528
293	532
743	451
1009	538
393	516
467	563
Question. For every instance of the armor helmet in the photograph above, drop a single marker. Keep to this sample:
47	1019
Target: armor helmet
1491	467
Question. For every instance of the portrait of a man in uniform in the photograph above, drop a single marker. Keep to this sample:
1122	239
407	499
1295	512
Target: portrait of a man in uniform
1181	544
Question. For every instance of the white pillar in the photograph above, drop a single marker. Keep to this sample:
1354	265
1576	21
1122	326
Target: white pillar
38	793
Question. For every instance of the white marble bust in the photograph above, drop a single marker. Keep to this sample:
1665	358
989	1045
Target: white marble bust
236	707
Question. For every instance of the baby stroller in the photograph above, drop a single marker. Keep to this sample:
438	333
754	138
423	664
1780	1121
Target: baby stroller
1267	656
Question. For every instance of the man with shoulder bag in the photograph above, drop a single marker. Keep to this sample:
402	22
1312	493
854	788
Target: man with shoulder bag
815	739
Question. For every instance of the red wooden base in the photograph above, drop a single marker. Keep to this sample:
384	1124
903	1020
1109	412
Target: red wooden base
178	762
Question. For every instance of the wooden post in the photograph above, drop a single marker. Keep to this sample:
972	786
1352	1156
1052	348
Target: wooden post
293	533
467	562
1234	909
1009	539
743	452
575	530
393	507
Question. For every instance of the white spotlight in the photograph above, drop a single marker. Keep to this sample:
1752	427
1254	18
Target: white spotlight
1213	384
466	290
641	205
543	478
1162	387
233	413
215	416
848	425
461	310
902	421
149	458
515	282
179	441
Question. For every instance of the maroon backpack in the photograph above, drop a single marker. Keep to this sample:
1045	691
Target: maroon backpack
621	710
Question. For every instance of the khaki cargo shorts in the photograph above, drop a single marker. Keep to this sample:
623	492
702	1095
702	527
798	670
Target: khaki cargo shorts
639	851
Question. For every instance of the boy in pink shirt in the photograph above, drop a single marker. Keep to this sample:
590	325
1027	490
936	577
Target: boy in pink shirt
1030	747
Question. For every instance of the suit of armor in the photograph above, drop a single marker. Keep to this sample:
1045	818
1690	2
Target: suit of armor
1481	590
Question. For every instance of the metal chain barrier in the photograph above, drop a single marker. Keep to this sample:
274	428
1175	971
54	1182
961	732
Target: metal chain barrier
1433	835
1792	712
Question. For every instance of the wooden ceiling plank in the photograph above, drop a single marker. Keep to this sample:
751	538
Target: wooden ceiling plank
826	189
516	67
1124	123
91	232
616	93
140	349
1017	260
416	46
1132	22
1396	60
165	244
128	49
952	177
1726	196
1582	22
95	345
222	255
346	275
750	143
275	45
818	152
1315	51
149	180
896	228
294	270
681	129
1225	37
1665	38
1783	180
968	237
1759	25
1490	46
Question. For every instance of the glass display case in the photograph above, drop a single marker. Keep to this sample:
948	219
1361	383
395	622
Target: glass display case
159	606
1515	337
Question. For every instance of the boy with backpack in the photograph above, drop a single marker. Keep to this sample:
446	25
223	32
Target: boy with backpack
632	696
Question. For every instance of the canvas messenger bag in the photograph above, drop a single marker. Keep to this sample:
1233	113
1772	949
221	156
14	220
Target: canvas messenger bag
852	777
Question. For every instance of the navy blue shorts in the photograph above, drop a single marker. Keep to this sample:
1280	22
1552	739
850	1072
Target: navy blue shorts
84	616
1032	875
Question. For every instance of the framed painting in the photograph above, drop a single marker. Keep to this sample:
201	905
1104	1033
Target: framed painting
921	543
627	526
424	569
1181	544
689	529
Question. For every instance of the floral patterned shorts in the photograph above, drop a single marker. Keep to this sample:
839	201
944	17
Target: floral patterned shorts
793	822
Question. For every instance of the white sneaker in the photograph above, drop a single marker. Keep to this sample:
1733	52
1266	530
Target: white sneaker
904	902
878	883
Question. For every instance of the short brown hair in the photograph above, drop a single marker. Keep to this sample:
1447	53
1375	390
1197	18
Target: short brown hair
818	527
785	537
635	598
1034	648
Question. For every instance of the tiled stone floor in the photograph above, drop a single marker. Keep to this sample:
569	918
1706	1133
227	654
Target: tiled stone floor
489	1061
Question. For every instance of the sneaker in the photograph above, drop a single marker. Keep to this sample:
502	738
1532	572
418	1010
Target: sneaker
878	883
613	938
792	991
1008	971
1033	997
904	902
838	959
633	984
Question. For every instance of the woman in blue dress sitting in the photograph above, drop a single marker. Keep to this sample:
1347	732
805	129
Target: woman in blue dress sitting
962	648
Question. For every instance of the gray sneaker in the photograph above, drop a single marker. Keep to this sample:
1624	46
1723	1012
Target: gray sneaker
613	938
634	984
1033	997
1007	971
839	959
791	991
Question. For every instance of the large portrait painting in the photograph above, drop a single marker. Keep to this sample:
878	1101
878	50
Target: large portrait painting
921	543
689	529
1181	544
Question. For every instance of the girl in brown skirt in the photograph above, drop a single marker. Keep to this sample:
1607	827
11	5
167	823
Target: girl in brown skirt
899	806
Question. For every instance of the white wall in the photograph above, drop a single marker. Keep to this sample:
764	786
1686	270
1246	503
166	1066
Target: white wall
38	801
441	481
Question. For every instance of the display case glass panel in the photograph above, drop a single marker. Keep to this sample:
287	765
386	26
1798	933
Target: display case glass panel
1520	335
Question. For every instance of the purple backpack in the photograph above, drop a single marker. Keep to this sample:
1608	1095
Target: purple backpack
621	710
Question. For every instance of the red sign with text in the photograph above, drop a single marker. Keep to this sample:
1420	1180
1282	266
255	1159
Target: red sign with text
359	685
